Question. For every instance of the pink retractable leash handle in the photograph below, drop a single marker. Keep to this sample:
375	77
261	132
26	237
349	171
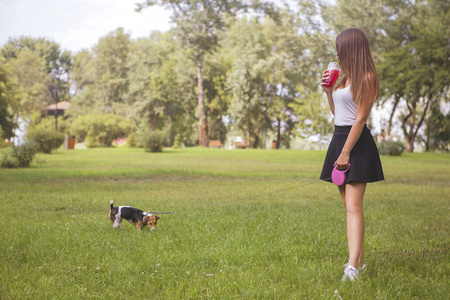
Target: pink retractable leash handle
338	176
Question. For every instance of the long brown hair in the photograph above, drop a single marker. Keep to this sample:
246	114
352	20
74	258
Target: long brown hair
357	64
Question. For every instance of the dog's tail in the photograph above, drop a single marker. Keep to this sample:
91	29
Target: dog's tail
111	204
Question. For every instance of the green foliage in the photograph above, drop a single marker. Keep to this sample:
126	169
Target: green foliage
111	67
3	143
45	139
101	77
155	87
392	148
50	51
178	143
247	79
29	62
8	160
101	131
132	141
6	119
29	82
18	156
24	154
153	141
42	134
313	113
438	130
199	25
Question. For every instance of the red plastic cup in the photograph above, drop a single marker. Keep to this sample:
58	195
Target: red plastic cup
333	71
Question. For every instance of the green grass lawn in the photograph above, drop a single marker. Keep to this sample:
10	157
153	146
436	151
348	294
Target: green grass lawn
58	243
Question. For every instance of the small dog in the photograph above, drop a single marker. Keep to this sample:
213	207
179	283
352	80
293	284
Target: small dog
133	215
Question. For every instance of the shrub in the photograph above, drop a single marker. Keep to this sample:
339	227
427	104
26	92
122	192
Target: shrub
132	141
391	148
24	154
46	140
153	141
178	142
3	144
8	160
101	131
18	156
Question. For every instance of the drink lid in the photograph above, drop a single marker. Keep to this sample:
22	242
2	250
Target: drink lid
334	66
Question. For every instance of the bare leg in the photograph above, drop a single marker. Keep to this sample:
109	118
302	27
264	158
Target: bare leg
353	194
342	192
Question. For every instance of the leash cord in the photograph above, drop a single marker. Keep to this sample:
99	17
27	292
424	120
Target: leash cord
241	199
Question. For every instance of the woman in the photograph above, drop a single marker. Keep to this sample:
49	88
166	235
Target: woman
351	100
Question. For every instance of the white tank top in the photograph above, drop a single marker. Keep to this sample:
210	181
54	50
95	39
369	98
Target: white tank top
344	107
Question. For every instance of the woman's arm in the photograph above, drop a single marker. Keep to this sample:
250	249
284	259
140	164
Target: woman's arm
330	102
362	115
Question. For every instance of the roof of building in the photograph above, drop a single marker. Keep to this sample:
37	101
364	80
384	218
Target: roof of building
63	105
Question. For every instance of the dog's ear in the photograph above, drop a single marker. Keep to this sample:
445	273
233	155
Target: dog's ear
145	218
157	218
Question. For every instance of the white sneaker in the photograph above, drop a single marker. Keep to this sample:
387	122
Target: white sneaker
350	273
360	269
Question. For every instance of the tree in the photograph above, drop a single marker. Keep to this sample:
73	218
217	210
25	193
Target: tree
29	62
284	74
219	65
6	119
248	46
198	24
437	132
301	46
55	59
50	51
159	95
152	77
420	76
83	73
111	55
30	83
101	76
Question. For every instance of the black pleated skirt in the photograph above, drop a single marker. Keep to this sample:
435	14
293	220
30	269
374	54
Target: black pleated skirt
364	158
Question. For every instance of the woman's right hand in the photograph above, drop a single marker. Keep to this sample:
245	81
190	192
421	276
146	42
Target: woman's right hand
324	83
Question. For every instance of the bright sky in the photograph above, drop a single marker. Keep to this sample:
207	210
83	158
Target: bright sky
77	24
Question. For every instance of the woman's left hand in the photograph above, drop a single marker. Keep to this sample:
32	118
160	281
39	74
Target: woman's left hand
342	161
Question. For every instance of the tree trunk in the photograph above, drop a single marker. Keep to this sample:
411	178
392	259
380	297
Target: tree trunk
265	128
154	119
203	137
256	141
279	133
409	144
411	128
391	117
248	131
427	141
409	136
